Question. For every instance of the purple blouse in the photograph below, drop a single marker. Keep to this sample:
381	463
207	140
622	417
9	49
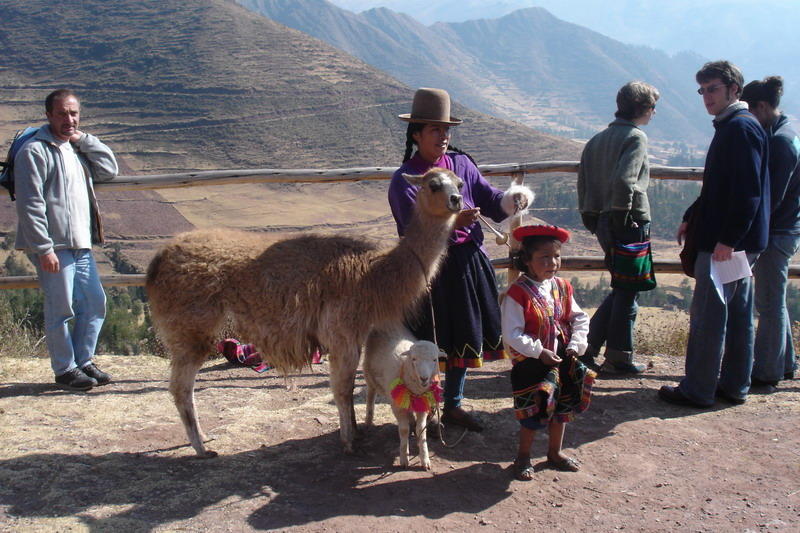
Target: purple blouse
477	192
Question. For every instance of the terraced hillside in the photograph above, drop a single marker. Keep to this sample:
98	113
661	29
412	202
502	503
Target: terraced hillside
175	85
527	65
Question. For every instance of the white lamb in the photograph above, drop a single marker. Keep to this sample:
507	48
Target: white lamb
406	372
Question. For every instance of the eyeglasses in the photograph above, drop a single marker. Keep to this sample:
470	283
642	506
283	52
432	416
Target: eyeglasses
711	89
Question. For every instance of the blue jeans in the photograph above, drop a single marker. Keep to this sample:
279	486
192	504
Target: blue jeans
454	378
774	349
614	320
74	293
719	352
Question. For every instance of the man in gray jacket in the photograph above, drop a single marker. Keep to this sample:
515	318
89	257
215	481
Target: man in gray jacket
612	199
58	221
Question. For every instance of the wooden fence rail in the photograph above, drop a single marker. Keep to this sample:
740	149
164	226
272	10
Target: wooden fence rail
267	175
137	280
576	263
307	175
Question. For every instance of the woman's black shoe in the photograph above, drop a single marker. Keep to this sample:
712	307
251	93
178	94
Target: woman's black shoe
459	417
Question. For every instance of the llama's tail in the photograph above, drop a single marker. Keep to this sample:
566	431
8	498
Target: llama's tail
153	268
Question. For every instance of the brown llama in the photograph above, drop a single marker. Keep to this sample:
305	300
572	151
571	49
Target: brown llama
294	296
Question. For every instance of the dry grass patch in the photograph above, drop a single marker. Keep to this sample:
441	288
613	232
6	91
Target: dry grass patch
16	341
660	331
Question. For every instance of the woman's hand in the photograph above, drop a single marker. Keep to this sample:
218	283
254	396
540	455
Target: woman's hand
520	201
549	358
681	234
467	217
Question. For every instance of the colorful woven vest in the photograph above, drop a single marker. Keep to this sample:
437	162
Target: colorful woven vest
542	321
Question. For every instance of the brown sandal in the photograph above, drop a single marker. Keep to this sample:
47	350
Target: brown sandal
567	464
523	470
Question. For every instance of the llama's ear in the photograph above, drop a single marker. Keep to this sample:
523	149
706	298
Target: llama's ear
414	179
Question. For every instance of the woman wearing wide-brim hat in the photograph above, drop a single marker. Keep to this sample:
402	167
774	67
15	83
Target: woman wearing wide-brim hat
464	294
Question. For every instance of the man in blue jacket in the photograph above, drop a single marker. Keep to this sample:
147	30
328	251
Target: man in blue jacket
58	221
774	357
731	214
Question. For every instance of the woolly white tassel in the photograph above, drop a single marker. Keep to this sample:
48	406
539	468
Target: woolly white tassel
508	204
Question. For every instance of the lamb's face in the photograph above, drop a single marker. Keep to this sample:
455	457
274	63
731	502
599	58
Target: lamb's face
424	359
439	191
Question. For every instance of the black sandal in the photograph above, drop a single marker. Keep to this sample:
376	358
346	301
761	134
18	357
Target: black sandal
566	464
523	469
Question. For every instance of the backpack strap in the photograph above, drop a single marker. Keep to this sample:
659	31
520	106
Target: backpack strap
7	173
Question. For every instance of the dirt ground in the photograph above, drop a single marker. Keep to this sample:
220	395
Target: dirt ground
114	459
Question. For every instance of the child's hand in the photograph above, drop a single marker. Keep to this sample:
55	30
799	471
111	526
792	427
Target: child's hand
549	358
572	353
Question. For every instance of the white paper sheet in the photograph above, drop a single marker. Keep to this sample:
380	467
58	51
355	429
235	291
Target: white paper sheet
735	268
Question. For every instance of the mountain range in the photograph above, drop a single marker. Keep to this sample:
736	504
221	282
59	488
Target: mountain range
527	66
761	38
178	85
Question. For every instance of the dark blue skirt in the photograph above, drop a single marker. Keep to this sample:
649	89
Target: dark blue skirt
543	393
466	309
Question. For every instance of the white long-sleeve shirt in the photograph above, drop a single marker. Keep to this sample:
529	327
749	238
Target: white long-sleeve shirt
513	324
77	197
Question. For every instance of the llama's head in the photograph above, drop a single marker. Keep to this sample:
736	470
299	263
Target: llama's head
439	192
422	364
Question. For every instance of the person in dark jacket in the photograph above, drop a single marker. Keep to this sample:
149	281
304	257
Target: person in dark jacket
731	214
774	357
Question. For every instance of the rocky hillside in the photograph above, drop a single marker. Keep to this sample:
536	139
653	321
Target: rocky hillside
527	66
176	84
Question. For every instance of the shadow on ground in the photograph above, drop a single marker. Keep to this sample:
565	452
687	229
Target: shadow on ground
302	481
155	490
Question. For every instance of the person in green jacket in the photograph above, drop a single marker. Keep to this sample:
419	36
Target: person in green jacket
612	199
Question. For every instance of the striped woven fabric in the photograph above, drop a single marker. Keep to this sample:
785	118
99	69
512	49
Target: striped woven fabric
632	267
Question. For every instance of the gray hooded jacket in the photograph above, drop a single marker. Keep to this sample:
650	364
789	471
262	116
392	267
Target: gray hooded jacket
614	173
44	220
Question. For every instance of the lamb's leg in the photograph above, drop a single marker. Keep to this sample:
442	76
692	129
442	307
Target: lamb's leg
403	430
422	440
181	385
343	378
370	403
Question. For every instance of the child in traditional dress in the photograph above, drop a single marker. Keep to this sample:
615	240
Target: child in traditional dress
545	331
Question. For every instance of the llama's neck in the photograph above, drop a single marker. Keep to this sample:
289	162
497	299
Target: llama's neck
399	277
426	240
